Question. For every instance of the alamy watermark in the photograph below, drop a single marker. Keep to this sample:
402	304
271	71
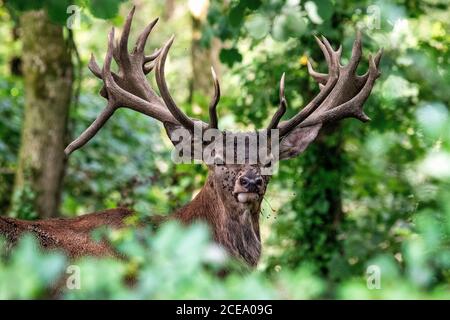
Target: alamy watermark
373	280
73	281
74	12
371	19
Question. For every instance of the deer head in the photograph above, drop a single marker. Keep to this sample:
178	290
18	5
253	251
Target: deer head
238	173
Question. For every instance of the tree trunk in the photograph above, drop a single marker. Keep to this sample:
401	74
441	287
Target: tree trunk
48	76
169	9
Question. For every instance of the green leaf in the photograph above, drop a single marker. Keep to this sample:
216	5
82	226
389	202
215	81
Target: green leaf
57	10
214	13
105	9
433	118
325	8
252	4
291	24
230	56
236	15
257	26
312	10
24	5
295	23
224	30
279	28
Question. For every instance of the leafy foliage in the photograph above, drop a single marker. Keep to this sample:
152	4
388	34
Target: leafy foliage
42	271
11	96
58	9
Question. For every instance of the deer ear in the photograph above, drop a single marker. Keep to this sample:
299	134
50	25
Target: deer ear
297	141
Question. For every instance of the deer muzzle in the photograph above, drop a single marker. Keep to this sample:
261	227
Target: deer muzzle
245	197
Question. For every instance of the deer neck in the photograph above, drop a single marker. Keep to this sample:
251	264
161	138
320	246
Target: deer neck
234	225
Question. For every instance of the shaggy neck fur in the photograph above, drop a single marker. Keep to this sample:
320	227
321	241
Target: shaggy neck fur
234	225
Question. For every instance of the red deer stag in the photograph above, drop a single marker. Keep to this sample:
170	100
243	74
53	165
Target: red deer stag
231	198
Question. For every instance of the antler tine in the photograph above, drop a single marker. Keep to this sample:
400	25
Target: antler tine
333	75
378	56
353	107
339	50
183	119
345	96
122	47
376	60
153	56
281	108
129	87
321	78
324	49
149	67
91	130
142	39
357	102
140	46
119	50
93	66
328	51
336	55
116	52
106	70
356	53
213	121
95	69
110	108
120	97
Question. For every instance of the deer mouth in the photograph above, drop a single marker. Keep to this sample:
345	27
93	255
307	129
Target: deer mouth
245	197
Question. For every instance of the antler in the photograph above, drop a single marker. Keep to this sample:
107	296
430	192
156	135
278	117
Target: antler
342	92
187	122
214	101
129	87
281	108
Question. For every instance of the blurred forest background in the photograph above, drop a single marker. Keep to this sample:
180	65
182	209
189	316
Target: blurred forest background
363	196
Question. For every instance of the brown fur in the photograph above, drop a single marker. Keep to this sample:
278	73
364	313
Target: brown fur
72	235
234	225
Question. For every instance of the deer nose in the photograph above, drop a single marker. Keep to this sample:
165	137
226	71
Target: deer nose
251	184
